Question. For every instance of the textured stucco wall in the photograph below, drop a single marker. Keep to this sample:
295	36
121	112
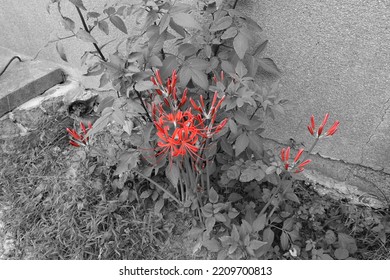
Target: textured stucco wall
334	55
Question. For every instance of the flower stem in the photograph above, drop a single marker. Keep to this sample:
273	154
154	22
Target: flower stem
158	186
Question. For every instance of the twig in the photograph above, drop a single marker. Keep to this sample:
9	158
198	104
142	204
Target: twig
89	31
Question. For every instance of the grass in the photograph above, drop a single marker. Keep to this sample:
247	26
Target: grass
56	207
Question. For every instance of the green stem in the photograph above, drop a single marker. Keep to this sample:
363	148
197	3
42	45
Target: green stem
89	31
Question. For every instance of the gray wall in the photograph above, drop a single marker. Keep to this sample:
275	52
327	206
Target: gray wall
334	55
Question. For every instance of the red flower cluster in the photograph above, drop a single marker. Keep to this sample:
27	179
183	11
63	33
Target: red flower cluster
332	130
79	139
180	131
296	165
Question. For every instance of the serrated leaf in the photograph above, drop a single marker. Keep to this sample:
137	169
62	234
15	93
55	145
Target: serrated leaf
185	20
144	85
61	51
240	44
241	143
268	65
213	196
173	173
124	195
259	223
85	36
159	205
67	23
103	26
78	3
221	24
118	23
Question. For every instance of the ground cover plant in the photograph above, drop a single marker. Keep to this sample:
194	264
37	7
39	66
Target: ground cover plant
177	154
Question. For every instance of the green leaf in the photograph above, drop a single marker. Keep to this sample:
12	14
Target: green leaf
164	22
284	241
241	117
292	196
118	23
348	242
261	48
187	49
159	205
67	23
127	161
241	69
241	143
61	51
93	15
248	175
221	24
124	195
185	75
212	245
103	26
179	30
220	217
185	20
144	85
104	79
85	36
78	3
234	234
105	103
341	253
229	33
256	244
209	223
240	44
199	78
195	232
155	61
269	66
173	174
233	197
169	64
213	196
259	223
227	67
198	64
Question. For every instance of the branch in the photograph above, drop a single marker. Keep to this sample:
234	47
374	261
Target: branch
89	31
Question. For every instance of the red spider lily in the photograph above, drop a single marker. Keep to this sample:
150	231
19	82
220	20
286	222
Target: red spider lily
331	130
79	139
285	155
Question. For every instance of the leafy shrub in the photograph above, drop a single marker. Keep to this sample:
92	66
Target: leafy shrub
190	109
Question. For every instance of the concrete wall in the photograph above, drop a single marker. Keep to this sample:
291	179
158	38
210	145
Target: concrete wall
334	55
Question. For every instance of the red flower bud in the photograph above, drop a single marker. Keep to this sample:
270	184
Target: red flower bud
298	155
